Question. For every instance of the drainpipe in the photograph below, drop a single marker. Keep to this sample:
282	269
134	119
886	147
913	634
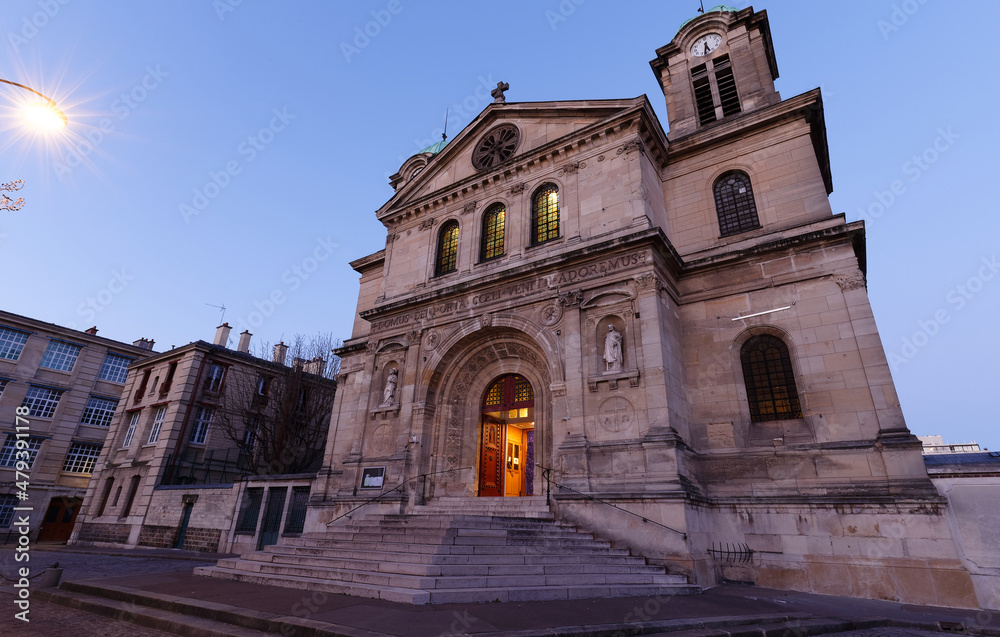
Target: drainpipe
187	415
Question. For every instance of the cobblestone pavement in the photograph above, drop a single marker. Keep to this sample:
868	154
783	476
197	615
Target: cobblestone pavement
58	621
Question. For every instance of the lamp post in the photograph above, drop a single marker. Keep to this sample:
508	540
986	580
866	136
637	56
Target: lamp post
44	115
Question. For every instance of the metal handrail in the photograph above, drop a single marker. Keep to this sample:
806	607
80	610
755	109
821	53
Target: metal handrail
395	488
546	473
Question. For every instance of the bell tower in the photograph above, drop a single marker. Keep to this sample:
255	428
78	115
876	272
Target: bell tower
718	66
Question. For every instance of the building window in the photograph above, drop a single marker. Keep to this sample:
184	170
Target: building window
3	385
165	387
493	231
11	343
99	411
108	484
154	433
15	449
60	356
201	422
81	457
715	92
133	422
545	214
734	203
447	253
133	487
250	510
7	504
295	521
41	401
115	368
254	423
213	382
767	371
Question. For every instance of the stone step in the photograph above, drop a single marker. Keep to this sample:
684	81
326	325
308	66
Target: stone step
274	552
432	569
455	557
454	595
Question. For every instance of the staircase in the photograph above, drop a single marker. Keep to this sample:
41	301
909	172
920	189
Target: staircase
456	550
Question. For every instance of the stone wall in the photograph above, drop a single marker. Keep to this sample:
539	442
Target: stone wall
104	533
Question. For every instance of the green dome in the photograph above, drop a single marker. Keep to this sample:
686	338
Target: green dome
722	8
434	149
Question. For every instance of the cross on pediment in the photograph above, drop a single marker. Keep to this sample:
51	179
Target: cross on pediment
497	93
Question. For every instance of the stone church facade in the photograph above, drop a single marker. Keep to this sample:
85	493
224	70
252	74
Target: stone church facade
572	301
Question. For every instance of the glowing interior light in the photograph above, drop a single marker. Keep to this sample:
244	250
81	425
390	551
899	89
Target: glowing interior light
44	116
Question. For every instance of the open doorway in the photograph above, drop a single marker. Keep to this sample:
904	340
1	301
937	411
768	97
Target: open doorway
507	440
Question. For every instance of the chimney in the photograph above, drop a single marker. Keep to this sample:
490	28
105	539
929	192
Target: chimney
298	363
315	366
143	343
92	331
280	351
244	345
222	334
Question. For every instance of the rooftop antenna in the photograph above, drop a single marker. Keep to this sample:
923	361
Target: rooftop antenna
702	8
221	307
444	135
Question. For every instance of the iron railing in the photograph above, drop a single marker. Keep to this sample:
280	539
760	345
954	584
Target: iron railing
547	474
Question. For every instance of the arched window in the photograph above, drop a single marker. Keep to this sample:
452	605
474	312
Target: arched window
767	371
447	253
493	229
734	203
545	214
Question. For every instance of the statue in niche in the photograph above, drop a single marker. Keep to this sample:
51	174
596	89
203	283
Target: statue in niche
389	394
613	350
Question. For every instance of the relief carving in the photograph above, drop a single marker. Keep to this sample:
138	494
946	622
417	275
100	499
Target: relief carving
517	189
413	337
616	415
613	350
850	281
648	282
469	207
551	314
630	146
427	223
433	340
371	346
486	320
571	298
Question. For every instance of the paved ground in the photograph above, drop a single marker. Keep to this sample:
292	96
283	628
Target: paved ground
51	620
169	573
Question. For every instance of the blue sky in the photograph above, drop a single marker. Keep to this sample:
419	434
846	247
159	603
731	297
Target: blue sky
233	153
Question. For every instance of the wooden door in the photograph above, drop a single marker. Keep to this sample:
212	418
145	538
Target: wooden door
59	519
491	458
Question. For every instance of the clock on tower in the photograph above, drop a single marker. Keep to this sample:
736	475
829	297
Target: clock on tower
719	65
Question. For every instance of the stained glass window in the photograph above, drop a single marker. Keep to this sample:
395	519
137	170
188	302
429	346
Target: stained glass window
767	371
545	214
493	231
447	256
734	204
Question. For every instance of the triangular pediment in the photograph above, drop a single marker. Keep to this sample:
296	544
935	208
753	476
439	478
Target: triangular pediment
541	126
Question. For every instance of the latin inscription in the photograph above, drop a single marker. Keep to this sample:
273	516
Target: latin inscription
517	290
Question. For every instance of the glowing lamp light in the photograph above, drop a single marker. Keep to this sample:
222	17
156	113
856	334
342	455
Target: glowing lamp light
44	116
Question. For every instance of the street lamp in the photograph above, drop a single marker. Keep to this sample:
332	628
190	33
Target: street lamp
45	115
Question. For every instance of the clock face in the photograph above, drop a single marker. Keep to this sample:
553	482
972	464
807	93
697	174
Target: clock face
706	44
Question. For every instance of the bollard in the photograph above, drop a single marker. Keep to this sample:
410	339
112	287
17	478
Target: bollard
49	578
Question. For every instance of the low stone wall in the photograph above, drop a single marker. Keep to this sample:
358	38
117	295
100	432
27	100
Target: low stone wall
195	539
104	533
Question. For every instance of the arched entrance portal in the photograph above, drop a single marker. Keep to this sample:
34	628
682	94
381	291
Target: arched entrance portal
507	438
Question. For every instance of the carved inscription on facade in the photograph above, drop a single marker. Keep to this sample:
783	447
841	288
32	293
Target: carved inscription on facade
518	290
